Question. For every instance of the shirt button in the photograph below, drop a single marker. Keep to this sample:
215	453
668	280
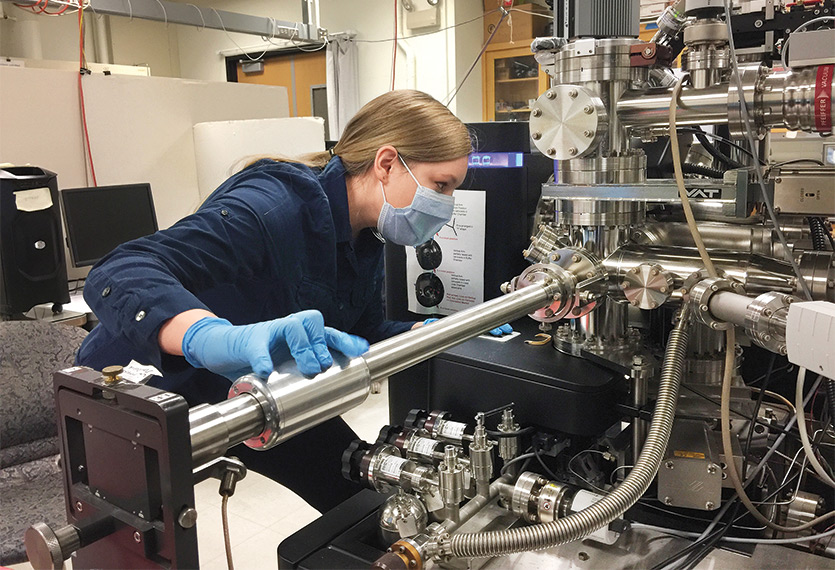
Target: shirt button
106	291
224	212
140	315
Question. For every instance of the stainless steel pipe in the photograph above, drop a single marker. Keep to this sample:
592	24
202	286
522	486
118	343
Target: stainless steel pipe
774	98
757	273
263	413
405	350
214	428
651	109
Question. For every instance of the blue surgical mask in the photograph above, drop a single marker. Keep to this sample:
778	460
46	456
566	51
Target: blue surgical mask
418	222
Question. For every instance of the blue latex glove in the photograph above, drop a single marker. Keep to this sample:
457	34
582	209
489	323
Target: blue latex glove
502	330
498	331
232	351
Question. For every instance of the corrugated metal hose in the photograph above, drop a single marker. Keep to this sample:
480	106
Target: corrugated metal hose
582	523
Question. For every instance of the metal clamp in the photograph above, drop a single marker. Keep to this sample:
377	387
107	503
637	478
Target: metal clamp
699	297
257	387
765	321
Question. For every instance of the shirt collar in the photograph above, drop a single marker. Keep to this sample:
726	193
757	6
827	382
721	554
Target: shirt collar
332	179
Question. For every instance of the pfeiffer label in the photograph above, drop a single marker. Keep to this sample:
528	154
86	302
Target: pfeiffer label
823	99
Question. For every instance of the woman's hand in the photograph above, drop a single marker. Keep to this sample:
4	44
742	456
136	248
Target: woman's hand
232	351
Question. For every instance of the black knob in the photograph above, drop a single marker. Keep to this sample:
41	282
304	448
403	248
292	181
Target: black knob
351	460
389	434
416	419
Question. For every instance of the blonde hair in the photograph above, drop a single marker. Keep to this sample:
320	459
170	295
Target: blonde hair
413	122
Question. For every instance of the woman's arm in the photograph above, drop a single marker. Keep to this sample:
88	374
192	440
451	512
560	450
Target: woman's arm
172	331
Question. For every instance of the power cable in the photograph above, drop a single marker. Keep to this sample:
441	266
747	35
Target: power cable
749	135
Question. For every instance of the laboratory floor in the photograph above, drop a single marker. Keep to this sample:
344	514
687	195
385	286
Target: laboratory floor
262	513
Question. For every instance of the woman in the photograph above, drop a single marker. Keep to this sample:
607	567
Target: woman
277	252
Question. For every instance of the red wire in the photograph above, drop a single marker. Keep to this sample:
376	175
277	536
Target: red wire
81	96
394	47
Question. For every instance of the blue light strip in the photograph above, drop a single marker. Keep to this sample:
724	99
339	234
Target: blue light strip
496	160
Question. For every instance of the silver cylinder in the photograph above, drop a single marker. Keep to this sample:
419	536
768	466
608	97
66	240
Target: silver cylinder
773	98
216	428
651	109
757	273
288	403
729	307
297	403
405	350
744	238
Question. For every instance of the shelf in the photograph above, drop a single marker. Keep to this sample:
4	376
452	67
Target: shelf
521	79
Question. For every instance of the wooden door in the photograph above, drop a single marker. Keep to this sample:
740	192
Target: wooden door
301	73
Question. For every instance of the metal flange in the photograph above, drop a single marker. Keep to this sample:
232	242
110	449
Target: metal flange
765	321
699	298
568	121
647	286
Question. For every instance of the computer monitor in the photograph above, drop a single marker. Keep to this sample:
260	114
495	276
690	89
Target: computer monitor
99	219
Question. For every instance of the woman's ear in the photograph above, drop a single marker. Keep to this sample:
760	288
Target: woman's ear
384	161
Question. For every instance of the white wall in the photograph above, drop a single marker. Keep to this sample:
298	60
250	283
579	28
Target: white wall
140	128
135	42
441	59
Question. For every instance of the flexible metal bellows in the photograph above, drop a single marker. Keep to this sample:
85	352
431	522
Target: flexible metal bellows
582	523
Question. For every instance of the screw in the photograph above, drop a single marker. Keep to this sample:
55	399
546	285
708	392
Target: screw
668	500
709	505
663	289
653	305
78	506
572	151
669	465
551	151
714	325
550	94
648	51
537	112
583	556
536	136
624	285
137	536
714	288
654	272
711	469
778	180
575	258
758	24
588	134
637	360
703	308
767	312
556	297
188	517
413	563
572	93
588	109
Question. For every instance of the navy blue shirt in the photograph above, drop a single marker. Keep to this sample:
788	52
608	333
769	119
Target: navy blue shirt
272	240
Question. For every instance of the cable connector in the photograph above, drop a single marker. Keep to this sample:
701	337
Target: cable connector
84	71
